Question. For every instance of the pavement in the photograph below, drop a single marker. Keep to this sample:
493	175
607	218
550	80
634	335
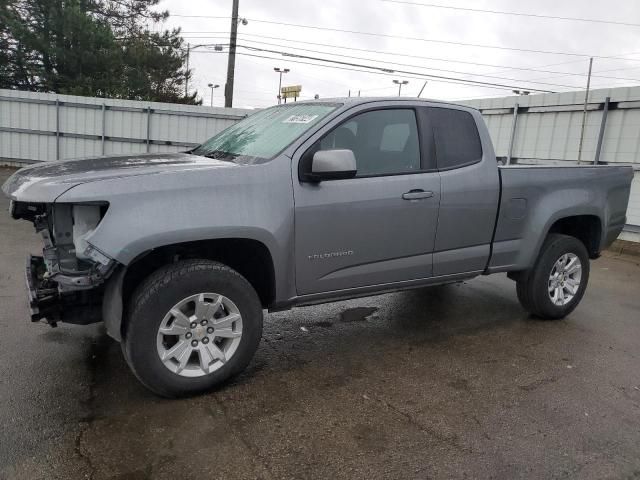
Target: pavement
444	382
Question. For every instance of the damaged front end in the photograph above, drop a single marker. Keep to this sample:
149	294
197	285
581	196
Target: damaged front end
66	283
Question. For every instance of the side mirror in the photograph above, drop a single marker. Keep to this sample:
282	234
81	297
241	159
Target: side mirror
332	165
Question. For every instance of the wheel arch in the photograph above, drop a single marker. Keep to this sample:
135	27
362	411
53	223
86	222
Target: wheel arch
582	223
251	258
586	228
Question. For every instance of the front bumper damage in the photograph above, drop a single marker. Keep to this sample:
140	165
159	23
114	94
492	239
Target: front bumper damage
62	302
42	298
61	286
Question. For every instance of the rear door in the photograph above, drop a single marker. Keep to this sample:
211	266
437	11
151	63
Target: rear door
379	227
470	191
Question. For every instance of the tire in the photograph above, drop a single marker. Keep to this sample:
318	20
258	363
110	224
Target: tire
170	298
537	289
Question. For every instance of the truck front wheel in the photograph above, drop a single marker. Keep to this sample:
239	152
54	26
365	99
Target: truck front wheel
191	325
555	285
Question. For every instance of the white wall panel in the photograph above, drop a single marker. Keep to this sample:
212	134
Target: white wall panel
554	133
539	135
633	213
29	120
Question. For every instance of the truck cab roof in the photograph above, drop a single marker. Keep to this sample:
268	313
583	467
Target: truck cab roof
352	101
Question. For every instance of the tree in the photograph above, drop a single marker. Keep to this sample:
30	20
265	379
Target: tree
92	47
5	69
153	67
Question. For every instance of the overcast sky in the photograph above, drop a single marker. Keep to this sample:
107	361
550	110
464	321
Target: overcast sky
256	83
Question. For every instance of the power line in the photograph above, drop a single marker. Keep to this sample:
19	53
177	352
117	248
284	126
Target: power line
398	54
535	80
384	71
439	59
447	70
517	14
322	80
558	73
563	74
291	54
418	76
402	37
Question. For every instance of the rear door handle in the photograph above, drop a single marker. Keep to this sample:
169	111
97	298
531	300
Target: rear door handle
418	194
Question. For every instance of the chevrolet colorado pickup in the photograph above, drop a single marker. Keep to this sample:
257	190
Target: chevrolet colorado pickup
179	254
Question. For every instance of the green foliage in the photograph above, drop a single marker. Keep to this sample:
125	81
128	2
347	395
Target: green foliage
92	47
5	70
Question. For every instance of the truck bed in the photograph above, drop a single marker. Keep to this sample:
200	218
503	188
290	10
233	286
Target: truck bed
534	198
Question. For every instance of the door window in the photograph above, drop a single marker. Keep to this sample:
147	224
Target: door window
384	142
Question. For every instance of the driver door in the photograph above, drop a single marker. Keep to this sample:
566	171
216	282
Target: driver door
378	227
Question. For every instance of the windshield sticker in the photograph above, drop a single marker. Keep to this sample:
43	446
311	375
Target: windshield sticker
300	119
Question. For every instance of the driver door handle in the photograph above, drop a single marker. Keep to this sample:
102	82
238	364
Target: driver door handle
417	194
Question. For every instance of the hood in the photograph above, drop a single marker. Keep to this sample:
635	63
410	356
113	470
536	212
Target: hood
46	181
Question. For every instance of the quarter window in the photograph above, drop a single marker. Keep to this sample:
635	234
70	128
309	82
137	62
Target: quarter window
384	142
456	137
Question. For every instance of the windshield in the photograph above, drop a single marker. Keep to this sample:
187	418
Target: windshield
261	136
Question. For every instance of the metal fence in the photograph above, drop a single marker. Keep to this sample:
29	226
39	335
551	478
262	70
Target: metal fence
547	129
39	126
525	129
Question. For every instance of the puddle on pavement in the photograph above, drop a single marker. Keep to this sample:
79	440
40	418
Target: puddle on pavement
358	314
323	324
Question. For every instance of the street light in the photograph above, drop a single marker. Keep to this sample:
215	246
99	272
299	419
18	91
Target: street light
212	86
280	71
400	83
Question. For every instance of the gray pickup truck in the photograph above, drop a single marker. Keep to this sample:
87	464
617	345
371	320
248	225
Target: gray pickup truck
179	254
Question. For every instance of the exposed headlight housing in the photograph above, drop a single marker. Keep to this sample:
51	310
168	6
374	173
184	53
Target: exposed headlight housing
25	210
85	220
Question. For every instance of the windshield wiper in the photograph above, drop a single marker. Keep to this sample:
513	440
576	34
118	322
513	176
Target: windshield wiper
220	155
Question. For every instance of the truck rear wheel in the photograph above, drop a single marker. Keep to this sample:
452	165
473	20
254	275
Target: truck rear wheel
191	326
553	288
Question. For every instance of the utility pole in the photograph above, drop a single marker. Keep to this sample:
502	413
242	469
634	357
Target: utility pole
584	112
231	64
186	72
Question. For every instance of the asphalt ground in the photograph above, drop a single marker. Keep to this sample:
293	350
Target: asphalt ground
445	382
